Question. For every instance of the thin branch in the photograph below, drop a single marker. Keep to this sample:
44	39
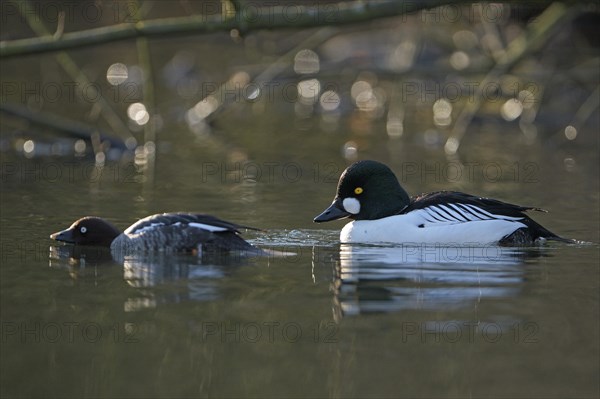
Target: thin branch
332	14
143	51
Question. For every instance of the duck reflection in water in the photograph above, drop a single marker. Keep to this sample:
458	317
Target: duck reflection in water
426	277
157	278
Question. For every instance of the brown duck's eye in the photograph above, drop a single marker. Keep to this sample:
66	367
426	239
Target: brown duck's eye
83	229
358	190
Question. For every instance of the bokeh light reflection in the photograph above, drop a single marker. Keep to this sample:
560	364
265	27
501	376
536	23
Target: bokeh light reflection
117	73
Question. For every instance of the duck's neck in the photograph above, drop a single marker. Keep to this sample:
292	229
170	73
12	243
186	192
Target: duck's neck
400	197
110	240
108	234
391	200
403	198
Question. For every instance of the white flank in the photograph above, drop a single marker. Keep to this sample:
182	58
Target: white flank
351	205
405	229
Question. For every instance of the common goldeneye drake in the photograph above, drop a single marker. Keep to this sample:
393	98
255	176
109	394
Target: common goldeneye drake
167	232
369	193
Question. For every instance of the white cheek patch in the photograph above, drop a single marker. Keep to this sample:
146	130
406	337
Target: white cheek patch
351	205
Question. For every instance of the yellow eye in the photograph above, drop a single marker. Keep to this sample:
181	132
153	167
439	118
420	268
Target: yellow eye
358	190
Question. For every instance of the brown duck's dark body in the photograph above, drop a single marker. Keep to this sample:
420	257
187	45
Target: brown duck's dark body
168	232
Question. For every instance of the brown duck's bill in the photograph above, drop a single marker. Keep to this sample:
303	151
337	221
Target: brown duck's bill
64	236
334	212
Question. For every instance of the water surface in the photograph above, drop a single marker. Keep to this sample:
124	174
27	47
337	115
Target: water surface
332	320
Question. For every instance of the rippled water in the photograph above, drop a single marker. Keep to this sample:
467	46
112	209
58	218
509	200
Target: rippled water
314	316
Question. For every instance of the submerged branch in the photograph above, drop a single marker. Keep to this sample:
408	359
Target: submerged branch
71	127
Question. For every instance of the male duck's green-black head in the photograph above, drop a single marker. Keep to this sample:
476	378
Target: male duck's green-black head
367	190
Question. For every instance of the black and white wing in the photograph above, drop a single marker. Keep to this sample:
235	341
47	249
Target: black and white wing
186	231
451	207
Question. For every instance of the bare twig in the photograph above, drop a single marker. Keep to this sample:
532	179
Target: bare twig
267	17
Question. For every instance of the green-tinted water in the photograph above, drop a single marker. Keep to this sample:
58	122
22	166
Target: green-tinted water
330	321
